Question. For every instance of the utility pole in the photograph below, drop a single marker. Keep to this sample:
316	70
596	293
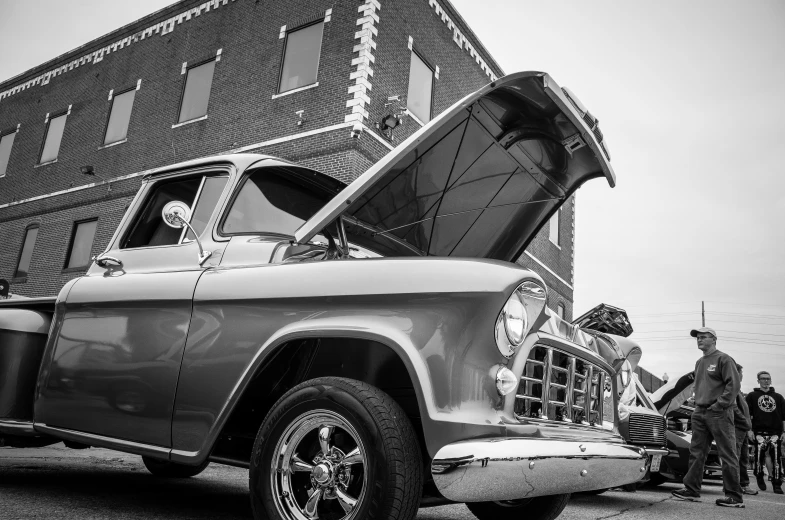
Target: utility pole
703	314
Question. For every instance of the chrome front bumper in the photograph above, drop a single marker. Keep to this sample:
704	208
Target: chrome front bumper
512	468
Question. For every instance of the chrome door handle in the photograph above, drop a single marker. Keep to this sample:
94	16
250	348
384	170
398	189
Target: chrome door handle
108	261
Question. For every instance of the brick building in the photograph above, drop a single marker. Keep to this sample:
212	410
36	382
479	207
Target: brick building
306	80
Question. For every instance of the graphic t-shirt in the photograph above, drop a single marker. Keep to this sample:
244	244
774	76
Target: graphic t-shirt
767	410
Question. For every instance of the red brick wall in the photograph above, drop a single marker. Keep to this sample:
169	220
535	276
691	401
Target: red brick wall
241	114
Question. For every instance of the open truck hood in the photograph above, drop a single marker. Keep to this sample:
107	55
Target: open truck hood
477	181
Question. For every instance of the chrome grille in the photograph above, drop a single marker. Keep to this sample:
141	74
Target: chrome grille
647	429
560	387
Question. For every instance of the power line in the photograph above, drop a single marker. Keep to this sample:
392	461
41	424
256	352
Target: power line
666	322
745	304
720	330
774	316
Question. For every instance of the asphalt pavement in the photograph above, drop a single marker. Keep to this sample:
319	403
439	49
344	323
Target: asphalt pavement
64	484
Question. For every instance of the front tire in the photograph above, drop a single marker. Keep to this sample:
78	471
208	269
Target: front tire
538	508
168	469
338	449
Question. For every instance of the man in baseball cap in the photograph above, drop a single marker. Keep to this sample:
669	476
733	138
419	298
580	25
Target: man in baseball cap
717	383
708	330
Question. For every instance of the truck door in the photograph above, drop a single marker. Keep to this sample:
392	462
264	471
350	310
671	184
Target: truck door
117	355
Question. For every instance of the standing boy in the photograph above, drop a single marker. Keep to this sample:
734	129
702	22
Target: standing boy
767	410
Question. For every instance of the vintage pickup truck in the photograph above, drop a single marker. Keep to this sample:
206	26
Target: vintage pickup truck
363	349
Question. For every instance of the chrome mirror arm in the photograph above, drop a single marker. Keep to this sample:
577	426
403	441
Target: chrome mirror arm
176	214
203	255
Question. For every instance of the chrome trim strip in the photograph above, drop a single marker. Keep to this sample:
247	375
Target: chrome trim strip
92	439
20	428
511	468
656	451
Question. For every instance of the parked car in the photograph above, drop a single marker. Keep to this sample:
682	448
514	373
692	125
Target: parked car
639	421
363	349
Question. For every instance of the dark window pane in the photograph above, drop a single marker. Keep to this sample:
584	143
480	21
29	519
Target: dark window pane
6	142
82	244
117	129
274	202
197	91
208	198
418	99
149	228
560	310
27	252
54	135
301	58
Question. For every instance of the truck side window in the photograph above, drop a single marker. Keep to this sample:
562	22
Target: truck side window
149	228
275	200
200	192
205	204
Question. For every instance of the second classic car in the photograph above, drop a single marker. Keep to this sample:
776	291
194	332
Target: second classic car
363	350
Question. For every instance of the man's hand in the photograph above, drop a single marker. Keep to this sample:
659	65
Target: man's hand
750	436
716	408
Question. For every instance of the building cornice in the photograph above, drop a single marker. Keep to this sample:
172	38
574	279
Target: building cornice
455	22
161	22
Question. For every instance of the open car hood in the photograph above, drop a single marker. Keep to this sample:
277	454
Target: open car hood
605	318
672	395
477	181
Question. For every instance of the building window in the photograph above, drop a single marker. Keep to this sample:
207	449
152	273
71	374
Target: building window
6	143
54	134
554	234
196	94
418	99
81	244
302	50
23	266
119	117
560	310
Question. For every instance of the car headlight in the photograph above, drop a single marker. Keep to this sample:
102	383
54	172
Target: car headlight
520	311
506	381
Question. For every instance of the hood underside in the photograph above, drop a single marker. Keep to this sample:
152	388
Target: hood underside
479	180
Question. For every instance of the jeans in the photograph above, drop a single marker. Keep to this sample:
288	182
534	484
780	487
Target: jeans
708	425
767	443
744	457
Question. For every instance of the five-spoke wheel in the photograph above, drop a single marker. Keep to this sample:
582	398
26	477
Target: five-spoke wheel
320	469
335	449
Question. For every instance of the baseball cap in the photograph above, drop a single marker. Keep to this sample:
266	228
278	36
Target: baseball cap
694	332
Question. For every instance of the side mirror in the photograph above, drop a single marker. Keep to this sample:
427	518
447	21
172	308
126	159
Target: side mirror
176	214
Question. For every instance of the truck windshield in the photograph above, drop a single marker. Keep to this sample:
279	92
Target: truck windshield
278	200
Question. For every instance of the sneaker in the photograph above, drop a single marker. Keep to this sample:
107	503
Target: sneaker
746	490
729	502
686	494
778	490
761	482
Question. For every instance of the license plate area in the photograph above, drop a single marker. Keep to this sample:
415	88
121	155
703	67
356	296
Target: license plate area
655	463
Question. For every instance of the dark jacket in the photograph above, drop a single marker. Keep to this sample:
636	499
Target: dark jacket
767	410
741	414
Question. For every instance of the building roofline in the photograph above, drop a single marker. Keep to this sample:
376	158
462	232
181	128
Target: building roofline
447	5
97	43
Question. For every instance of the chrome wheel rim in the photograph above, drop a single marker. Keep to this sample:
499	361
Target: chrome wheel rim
319	468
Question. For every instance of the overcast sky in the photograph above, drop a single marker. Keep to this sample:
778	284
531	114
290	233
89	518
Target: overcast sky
691	99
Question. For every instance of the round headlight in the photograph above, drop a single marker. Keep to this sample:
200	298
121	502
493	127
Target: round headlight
514	315
506	381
